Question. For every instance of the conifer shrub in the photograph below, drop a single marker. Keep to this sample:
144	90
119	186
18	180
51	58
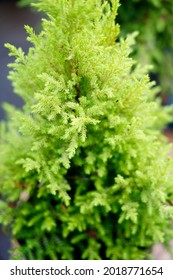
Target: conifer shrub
85	172
154	45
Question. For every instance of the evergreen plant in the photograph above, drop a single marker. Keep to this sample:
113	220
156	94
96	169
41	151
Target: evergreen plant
154	43
85	172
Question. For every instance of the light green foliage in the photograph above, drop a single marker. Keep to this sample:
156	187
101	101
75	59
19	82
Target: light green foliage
85	171
154	20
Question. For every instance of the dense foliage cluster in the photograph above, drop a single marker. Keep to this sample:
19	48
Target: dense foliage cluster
153	19
85	171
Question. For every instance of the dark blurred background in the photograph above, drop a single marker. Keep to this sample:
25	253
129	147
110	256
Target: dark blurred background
12	21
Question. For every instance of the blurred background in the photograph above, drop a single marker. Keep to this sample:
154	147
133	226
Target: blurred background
153	19
12	20
154	45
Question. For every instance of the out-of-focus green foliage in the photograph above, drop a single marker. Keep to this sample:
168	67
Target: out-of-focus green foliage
154	21
23	3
